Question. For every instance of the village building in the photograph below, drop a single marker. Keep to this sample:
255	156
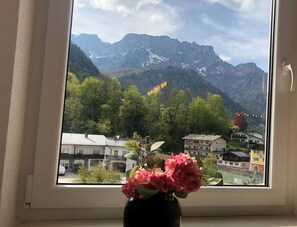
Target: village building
247	137
205	145
236	159
257	162
90	150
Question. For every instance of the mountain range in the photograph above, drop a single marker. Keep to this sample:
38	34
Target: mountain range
144	55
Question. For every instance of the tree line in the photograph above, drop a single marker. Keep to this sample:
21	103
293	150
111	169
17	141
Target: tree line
102	106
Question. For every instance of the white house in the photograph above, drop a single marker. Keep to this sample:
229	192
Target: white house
85	149
116	150
90	150
204	145
248	137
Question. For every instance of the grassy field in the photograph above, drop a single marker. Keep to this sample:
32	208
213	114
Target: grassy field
234	179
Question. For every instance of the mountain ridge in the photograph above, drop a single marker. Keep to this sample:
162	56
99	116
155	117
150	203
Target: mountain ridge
244	83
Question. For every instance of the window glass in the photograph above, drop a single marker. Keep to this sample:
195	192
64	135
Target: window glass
194	74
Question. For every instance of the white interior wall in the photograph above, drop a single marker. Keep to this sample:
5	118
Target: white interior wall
15	44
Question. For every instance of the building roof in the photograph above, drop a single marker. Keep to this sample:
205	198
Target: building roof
202	137
258	146
83	139
220	152
240	154
116	142
250	134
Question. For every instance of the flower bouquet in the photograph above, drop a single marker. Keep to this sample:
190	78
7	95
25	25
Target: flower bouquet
152	184
154	173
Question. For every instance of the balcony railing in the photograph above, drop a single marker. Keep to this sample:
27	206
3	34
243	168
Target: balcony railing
93	156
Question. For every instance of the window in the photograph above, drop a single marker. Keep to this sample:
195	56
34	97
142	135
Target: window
96	151
46	194
65	151
94	162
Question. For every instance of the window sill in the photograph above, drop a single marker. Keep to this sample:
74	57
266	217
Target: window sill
186	222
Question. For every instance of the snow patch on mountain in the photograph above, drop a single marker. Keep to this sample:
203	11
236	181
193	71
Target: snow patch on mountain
185	65
92	55
202	70
154	58
220	69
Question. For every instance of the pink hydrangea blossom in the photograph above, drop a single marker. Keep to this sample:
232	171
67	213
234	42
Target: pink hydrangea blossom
182	174
185	172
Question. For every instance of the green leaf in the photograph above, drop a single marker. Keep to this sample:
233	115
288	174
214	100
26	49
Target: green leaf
146	193
133	170
214	181
131	155
210	179
132	145
156	145
181	194
128	174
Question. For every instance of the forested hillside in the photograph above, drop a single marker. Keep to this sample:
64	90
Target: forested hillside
188	80
103	106
80	64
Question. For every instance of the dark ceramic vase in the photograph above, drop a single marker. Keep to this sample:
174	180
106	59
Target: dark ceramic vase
160	210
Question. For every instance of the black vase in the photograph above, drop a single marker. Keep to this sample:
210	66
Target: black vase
158	211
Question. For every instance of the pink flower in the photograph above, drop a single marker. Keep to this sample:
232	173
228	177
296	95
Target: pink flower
161	181
182	174
185	172
130	190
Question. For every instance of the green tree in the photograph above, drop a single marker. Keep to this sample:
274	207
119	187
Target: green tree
208	115
219	123
152	116
104	127
114	99
72	121
98	175
198	116
132	112
72	85
91	93
210	166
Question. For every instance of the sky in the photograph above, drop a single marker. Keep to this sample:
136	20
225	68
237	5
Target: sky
239	30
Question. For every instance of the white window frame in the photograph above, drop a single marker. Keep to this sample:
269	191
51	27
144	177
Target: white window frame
244	200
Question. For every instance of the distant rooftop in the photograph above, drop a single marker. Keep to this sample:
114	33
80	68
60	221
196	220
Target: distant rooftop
202	137
83	139
240	154
91	140
116	142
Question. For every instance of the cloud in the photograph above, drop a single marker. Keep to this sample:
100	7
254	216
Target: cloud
241	49
225	57
123	7
80	4
252	9
116	20
233	27
241	33
211	23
